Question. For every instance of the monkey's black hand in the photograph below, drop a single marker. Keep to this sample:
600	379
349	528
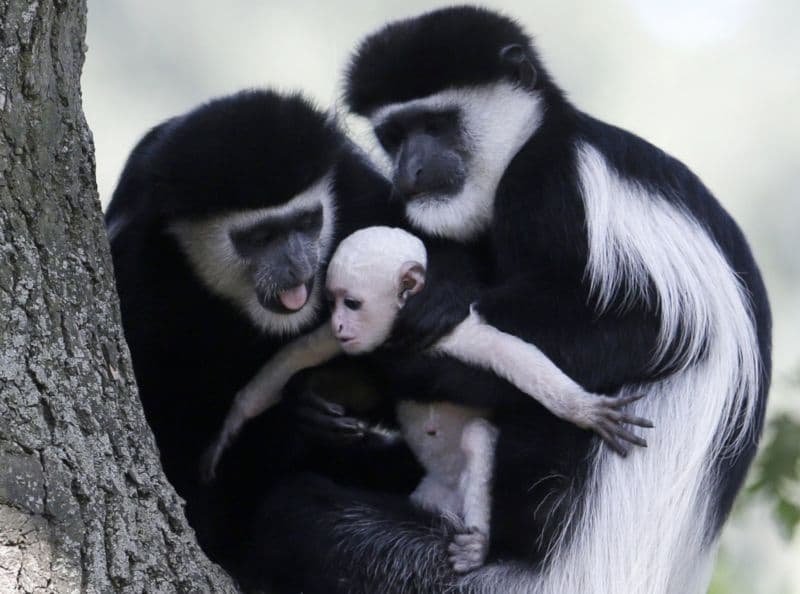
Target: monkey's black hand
326	420
608	421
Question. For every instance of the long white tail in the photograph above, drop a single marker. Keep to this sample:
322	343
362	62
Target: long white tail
645	524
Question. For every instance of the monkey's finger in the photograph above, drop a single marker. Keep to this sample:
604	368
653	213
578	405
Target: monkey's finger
329	428
333	433
465	534
469	539
464	563
638	421
453	548
623	433
472	550
465	560
620	417
311	400
463	553
459	566
318	418
623	400
326	423
612	442
338	437
349	425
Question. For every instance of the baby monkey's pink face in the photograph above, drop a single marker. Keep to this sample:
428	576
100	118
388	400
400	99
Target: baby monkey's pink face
361	319
363	308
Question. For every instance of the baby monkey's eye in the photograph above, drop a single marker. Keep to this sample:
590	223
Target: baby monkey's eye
330	301
351	303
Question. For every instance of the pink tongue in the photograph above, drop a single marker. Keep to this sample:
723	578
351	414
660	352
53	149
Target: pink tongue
294	298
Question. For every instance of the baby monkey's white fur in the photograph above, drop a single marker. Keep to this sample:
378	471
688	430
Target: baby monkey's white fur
375	269
369	279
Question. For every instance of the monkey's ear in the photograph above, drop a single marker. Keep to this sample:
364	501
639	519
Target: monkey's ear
411	281
520	65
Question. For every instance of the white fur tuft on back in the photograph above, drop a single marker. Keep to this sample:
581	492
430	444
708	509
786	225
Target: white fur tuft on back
645	523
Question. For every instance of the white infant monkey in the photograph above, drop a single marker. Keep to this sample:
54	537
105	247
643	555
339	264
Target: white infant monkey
370	278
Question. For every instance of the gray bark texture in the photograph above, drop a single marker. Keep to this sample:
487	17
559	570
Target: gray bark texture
84	505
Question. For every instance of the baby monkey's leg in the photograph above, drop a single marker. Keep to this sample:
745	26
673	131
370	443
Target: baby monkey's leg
469	549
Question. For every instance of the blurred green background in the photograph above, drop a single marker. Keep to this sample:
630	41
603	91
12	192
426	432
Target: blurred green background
716	83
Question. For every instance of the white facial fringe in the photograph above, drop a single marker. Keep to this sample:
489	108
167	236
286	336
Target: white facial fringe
498	119
208	246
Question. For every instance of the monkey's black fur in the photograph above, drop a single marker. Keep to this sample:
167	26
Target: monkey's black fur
218	157
413	58
191	349
539	254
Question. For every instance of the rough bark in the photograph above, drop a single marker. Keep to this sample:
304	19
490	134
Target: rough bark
84	505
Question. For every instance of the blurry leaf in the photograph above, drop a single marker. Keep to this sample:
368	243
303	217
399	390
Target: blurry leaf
779	459
722	581
789	516
777	473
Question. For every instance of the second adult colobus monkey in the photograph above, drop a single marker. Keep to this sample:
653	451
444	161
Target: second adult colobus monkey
372	275
611	257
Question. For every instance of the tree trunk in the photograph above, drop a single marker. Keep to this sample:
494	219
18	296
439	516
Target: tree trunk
84	505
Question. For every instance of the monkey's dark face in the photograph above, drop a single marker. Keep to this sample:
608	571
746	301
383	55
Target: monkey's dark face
449	151
267	261
428	150
282	256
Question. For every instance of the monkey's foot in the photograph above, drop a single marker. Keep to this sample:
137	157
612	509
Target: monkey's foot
606	418
468	550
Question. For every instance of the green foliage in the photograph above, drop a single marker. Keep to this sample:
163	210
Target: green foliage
777	472
723	580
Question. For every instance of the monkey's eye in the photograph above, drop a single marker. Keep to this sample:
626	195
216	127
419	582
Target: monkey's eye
390	135
330	301
433	128
310	220
248	242
351	303
439	123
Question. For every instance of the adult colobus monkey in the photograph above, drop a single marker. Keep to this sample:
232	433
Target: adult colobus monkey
614	260
220	227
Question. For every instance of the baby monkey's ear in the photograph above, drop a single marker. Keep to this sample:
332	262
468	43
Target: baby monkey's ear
411	280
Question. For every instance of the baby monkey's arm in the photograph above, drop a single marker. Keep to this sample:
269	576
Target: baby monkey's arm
264	390
475	342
